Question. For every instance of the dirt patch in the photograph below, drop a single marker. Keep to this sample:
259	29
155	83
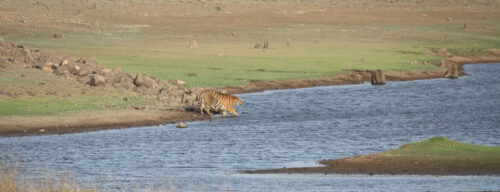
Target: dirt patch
394	164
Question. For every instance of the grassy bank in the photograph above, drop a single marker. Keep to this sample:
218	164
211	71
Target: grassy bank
444	147
435	156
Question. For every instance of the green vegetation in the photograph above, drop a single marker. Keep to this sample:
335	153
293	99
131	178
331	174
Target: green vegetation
242	63
56	105
443	147
31	92
307	40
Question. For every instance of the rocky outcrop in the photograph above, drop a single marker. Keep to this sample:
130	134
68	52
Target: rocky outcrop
88	71
377	77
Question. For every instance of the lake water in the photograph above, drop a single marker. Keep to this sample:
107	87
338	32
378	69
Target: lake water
285	128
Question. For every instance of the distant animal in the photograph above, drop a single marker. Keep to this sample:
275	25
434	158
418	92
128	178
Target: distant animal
218	102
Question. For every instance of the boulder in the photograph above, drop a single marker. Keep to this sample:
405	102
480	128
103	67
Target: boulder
73	68
97	80
181	125
143	80
28	58
257	46
452	71
47	68
180	82
58	36
377	77
83	71
64	62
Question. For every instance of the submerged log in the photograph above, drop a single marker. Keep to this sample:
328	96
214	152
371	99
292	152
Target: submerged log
378	77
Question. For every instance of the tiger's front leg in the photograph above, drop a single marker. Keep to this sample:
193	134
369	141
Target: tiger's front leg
234	112
205	108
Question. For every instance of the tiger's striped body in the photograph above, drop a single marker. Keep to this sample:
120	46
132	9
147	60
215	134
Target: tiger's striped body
218	102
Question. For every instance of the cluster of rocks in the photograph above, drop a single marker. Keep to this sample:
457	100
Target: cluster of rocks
90	72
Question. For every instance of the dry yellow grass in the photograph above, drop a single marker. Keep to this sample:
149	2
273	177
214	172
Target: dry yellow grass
12	179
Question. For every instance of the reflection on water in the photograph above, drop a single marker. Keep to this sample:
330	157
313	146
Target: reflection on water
287	128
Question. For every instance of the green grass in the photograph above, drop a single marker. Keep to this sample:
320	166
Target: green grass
440	146
56	105
242	64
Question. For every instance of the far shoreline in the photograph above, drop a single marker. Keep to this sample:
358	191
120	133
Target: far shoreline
125	118
420	158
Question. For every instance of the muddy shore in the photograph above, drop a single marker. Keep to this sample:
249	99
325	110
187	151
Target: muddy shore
113	119
92	121
395	165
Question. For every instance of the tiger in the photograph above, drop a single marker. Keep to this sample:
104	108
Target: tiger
217	102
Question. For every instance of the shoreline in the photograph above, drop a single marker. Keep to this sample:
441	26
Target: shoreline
421	158
117	119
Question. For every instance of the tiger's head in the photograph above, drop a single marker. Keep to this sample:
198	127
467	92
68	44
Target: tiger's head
238	101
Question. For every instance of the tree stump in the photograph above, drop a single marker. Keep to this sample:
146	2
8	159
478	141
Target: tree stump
378	77
452	71
266	45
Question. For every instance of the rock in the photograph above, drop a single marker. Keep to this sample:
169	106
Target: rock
257	46
180	82
61	72
452	71
81	60
47	68
28	57
223	91
83	71
181	125
58	36
41	130
377	77
106	71
97	80
73	68
84	79
143	80
64	62
449	19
